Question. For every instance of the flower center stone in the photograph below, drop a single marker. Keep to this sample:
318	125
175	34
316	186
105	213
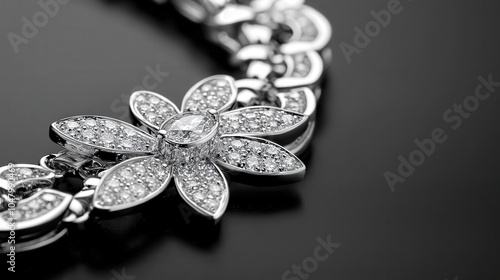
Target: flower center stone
190	136
190	128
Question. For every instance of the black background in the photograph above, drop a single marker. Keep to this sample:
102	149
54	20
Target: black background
441	223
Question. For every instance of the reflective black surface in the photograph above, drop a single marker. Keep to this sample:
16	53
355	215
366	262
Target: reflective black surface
440	223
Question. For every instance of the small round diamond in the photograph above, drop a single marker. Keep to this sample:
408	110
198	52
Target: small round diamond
206	88
287	119
198	196
110	124
154	100
235	125
234	157
72	125
91	122
49	197
272	150
270	164
25	172
130	132
214	188
140	169
252	161
256	146
108	138
127	143
138	189
237	144
212	203
127	174
197	96
88	134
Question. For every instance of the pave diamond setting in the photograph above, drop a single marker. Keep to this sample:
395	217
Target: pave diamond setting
135	180
89	134
203	186
258	156
260	120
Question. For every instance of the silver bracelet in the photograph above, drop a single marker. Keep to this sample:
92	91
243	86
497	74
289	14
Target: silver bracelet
250	130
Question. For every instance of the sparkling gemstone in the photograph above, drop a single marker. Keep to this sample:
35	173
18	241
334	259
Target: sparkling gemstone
113	184
189	127
124	195
110	124
214	187
270	164
154	100
268	113
25	171
130	132
206	88
144	107
127	174
91	122
138	189
212	203
49	197
287	119
214	103
88	134
251	116
290	162
235	125
140	98
221	83
151	116
140	169
198	196
254	125
108	138
272	150
252	161
127	144
197	96
237	144
255	146
153	181
34	204
234	157
72	124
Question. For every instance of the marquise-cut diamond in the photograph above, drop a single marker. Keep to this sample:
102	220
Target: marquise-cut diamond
190	127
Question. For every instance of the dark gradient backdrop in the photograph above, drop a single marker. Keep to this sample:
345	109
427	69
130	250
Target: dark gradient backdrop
440	223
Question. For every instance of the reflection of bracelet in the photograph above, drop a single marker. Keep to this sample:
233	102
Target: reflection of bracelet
250	130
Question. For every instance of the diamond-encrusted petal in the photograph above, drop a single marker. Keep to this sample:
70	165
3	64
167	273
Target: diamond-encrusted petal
152	109
216	92
43	208
203	187
25	176
90	135
300	100
258	158
268	122
313	30
131	183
